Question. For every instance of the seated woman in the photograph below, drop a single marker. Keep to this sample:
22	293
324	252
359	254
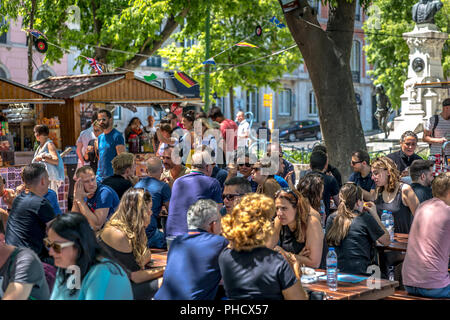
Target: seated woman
392	195
353	230
125	238
297	230
266	182
249	269
74	248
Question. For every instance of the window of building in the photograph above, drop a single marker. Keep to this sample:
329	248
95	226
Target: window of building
315	4
358	11
285	102
43	74
154	61
355	61
312	111
4	34
3	73
253	102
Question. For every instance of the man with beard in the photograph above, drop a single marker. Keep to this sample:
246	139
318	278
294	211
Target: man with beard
110	144
421	172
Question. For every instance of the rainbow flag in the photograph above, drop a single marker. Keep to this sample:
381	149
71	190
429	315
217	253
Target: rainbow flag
184	79
246	44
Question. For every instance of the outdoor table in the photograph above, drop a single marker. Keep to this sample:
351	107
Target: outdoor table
354	291
159	258
400	243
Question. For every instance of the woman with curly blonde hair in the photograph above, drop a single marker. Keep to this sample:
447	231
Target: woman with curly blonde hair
392	195
297	229
354	229
124	238
249	269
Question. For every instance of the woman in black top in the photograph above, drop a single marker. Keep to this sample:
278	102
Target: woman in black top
353	231
124	238
392	195
297	229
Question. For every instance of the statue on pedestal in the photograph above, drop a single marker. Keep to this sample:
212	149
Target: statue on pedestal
425	10
384	109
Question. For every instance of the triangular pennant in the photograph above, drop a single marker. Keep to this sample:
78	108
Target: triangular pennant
150	77
277	22
246	44
209	61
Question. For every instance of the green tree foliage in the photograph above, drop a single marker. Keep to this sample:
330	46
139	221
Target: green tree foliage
231	22
137	26
386	49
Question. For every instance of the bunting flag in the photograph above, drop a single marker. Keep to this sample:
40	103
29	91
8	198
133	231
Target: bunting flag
246	44
95	65
35	33
277	22
209	61
184	79
150	77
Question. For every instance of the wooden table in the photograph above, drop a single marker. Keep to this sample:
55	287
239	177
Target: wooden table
355	291
400	243
159	258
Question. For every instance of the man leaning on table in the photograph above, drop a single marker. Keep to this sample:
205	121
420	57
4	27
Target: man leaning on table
425	269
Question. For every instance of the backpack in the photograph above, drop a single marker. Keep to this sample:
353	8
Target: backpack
436	121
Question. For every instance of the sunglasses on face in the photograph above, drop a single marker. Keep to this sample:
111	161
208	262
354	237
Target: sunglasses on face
355	162
248	165
231	196
57	247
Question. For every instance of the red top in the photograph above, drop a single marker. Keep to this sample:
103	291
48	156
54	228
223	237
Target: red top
225	125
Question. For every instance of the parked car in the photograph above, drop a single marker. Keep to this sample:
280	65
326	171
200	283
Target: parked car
299	130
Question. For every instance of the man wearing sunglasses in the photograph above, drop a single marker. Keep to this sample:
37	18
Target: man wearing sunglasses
362	175
22	276
234	189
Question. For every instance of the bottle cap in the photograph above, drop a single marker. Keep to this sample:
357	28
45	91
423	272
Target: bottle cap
331	248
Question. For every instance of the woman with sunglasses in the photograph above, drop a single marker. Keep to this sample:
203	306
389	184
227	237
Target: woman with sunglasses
84	270
249	269
297	230
267	184
125	239
354	230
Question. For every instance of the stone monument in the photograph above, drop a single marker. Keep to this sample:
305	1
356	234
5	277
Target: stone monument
425	65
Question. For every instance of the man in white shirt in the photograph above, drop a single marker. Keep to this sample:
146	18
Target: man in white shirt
243	131
83	141
436	134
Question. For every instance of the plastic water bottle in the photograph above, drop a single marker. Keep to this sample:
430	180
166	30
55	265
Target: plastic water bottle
385	219
391	226
332	271
391	273
322	213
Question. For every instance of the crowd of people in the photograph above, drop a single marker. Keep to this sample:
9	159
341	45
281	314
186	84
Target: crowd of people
239	229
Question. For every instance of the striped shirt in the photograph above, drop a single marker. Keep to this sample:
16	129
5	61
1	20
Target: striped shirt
442	130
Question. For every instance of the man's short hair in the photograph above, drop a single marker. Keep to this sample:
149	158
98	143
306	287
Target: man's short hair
320	147
446	102
122	162
201	159
318	160
33	172
362	156
107	112
215	113
202	213
418	167
243	184
41	129
441	185
408	134
84	170
154	164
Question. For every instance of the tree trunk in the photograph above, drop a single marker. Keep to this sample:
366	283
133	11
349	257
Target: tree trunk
327	58
232	103
31	43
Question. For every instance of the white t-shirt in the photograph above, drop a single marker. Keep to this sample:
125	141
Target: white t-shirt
243	129
442	130
85	136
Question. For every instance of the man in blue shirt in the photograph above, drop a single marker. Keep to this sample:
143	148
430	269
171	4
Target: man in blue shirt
362	175
192	271
161	193
95	201
190	188
110	144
